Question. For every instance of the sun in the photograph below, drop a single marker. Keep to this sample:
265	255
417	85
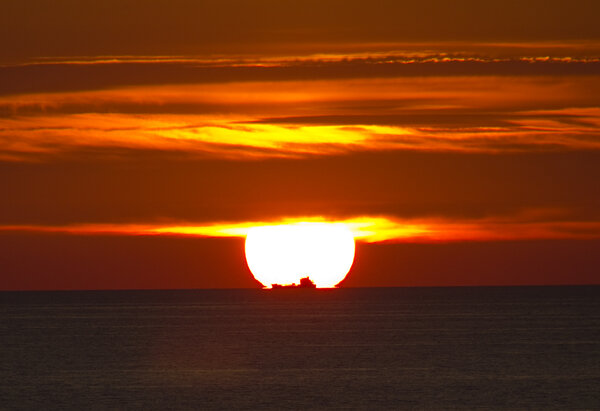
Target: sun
283	254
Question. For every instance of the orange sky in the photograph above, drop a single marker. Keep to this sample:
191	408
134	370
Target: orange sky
461	143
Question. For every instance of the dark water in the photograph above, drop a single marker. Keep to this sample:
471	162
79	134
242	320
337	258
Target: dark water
394	348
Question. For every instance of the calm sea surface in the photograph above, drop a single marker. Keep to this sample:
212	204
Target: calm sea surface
387	348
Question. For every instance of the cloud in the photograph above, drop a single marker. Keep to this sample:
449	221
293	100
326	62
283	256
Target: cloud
528	225
320	117
263	137
99	73
233	138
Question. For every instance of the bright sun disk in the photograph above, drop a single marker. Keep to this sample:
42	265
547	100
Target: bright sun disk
283	254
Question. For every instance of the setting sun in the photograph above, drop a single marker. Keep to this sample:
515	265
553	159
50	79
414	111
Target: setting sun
283	254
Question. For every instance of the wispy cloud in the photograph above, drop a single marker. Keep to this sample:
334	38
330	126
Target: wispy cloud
527	225
291	118
356	62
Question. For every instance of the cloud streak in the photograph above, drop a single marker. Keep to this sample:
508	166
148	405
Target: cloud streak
318	117
97	73
21	138
530	225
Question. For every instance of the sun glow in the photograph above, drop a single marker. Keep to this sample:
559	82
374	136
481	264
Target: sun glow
283	254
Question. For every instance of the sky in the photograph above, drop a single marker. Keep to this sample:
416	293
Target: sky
460	141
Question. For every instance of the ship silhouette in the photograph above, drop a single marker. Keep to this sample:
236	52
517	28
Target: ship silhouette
305	282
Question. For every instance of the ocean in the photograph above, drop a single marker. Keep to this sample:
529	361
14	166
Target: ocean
503	348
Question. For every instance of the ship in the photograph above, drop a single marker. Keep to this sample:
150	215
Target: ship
305	282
